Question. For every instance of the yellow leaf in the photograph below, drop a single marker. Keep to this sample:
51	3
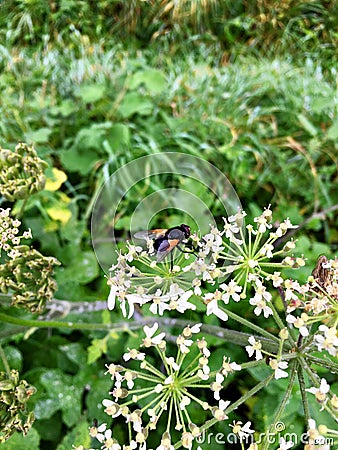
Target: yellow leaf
63	197
59	177
51	226
60	213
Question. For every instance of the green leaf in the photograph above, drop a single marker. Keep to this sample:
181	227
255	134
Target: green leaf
14	358
314	224
133	103
153	79
99	388
118	136
92	137
50	429
307	125
83	269
96	349
332	132
74	160
90	93
106	316
20	442
79	435
75	353
65	109
39	136
319	103
74	229
45	407
64	393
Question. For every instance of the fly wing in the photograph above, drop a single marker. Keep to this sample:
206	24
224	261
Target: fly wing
151	234
165	247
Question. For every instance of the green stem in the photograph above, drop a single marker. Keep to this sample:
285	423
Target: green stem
328	364
235	405
273	427
251	325
278	320
303	393
22	208
4	360
281	325
222	333
314	378
57	324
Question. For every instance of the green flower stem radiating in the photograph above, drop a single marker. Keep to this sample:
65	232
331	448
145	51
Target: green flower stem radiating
256	244
185	374
147	391
170	413
153	370
280	409
148	405
280	324
176	395
209	423
251	325
178	412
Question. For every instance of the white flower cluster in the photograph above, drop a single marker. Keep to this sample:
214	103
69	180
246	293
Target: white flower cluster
144	395
217	254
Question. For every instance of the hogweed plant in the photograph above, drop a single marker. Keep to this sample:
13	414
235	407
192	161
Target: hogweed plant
172	387
163	399
25	276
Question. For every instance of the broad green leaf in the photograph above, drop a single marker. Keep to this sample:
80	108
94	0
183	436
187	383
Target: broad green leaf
314	224
78	435
20	442
118	136
92	137
14	358
332	132
123	223
45	407
90	93
153	79
99	388
75	160
66	108
39	136
74	229
133	103
50	429
64	393
83	269
75	352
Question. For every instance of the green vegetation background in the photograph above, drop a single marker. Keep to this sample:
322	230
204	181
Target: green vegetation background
250	86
